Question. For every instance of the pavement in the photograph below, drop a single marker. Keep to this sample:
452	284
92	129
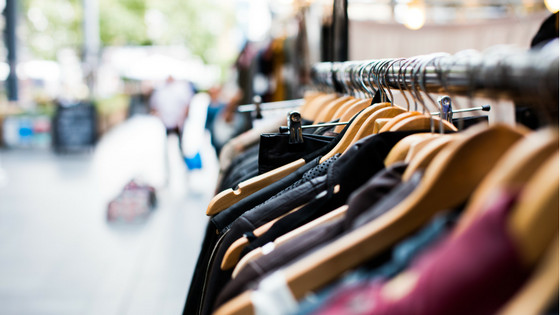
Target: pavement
58	253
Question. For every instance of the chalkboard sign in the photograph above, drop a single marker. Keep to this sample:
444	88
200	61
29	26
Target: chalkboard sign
74	127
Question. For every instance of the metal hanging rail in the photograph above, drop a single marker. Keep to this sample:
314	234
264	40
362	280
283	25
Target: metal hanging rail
500	73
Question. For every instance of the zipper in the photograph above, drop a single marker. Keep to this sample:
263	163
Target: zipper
206	275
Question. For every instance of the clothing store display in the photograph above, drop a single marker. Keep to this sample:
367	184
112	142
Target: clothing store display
339	231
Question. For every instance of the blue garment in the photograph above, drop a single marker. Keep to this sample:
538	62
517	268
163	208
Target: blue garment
194	163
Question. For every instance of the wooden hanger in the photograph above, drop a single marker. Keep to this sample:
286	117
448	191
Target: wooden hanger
425	156
517	166
259	252
379	123
314	107
416	147
400	150
308	97
422	122
351	112
350	133
398	118
330	108
231	257
533	221
540	290
445	185
228	197
344	108
367	126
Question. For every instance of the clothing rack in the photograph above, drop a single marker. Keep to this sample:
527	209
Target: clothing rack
270	105
501	72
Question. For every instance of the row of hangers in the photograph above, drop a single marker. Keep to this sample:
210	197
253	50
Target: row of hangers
458	74
495	156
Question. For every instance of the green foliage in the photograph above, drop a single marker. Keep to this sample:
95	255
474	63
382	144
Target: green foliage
191	23
51	25
122	22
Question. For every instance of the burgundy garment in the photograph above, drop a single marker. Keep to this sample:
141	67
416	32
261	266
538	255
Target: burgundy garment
473	273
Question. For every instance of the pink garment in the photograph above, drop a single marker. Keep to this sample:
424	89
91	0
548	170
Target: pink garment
474	273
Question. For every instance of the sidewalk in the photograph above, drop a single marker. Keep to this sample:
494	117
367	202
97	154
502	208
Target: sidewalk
59	255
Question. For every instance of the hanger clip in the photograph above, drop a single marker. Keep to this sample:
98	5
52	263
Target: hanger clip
447	108
294	127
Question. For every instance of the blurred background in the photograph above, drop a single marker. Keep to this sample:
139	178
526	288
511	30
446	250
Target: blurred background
100	211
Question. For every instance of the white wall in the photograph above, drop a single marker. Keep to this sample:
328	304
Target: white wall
373	40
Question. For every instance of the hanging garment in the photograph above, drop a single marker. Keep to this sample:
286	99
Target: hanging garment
220	221
377	187
353	169
401	257
474	273
275	150
280	203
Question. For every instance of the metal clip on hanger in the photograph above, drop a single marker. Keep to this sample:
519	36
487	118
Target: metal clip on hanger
447	108
294	127
446	104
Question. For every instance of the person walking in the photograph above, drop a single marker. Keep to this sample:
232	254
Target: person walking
170	103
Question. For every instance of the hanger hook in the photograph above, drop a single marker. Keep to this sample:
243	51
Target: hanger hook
409	86
400	76
420	73
385	80
385	69
370	74
413	74
378	79
397	79
431	60
366	78
359	79
380	82
354	79
419	76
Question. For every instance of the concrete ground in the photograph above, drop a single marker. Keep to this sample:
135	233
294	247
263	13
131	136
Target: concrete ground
58	253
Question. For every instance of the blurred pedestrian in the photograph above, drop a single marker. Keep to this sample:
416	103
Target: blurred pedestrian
170	103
